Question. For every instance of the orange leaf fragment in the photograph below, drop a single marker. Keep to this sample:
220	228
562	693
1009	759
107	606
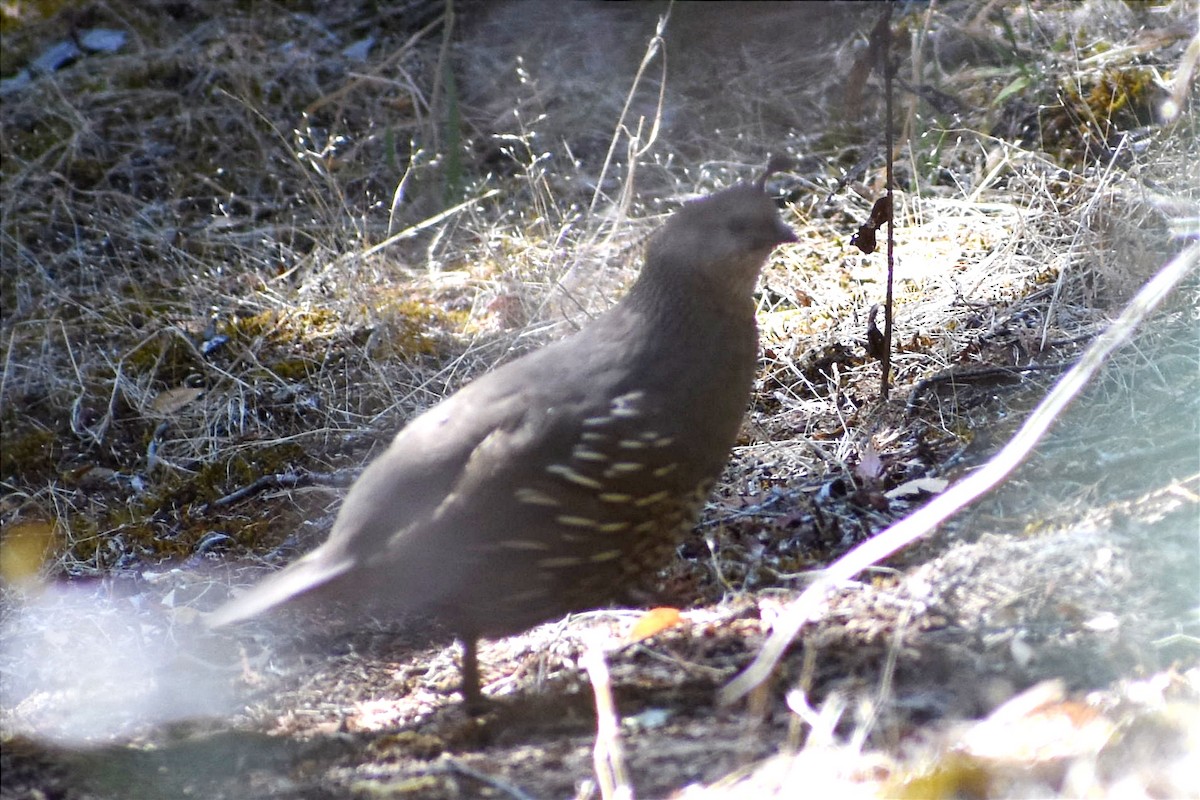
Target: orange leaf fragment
655	621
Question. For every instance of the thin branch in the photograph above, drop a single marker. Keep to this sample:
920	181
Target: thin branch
886	58
608	755
963	493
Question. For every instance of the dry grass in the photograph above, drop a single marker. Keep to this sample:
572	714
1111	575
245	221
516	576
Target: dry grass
233	252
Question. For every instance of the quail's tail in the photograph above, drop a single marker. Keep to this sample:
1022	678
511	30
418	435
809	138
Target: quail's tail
310	572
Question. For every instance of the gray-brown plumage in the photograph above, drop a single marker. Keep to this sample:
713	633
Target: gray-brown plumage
560	480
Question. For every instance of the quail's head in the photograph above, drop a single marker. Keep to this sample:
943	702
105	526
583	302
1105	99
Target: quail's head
718	243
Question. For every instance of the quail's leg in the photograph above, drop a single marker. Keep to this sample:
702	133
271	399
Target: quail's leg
472	694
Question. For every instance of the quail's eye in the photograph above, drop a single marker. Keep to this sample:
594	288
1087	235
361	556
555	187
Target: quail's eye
739	225
749	232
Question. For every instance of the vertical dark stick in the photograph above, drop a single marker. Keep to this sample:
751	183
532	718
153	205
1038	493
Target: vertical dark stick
886	360
472	693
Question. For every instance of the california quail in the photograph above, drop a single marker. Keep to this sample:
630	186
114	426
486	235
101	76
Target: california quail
562	480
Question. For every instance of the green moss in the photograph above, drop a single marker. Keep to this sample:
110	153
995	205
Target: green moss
292	369
1090	119
28	13
166	358
1123	98
171	520
278	327
414	327
84	543
28	450
220	477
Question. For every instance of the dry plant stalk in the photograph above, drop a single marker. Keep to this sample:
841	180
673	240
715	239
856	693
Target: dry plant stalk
608	754
928	517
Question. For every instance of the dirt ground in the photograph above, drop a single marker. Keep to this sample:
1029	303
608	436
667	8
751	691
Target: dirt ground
243	243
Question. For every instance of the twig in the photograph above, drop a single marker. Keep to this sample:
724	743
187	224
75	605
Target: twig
969	375
488	780
653	49
607	757
413	230
987	477
890	135
281	480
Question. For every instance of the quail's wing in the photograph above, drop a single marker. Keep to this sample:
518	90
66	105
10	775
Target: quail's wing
551	512
462	473
585	470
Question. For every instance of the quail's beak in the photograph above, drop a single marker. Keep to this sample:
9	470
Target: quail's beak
768	238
